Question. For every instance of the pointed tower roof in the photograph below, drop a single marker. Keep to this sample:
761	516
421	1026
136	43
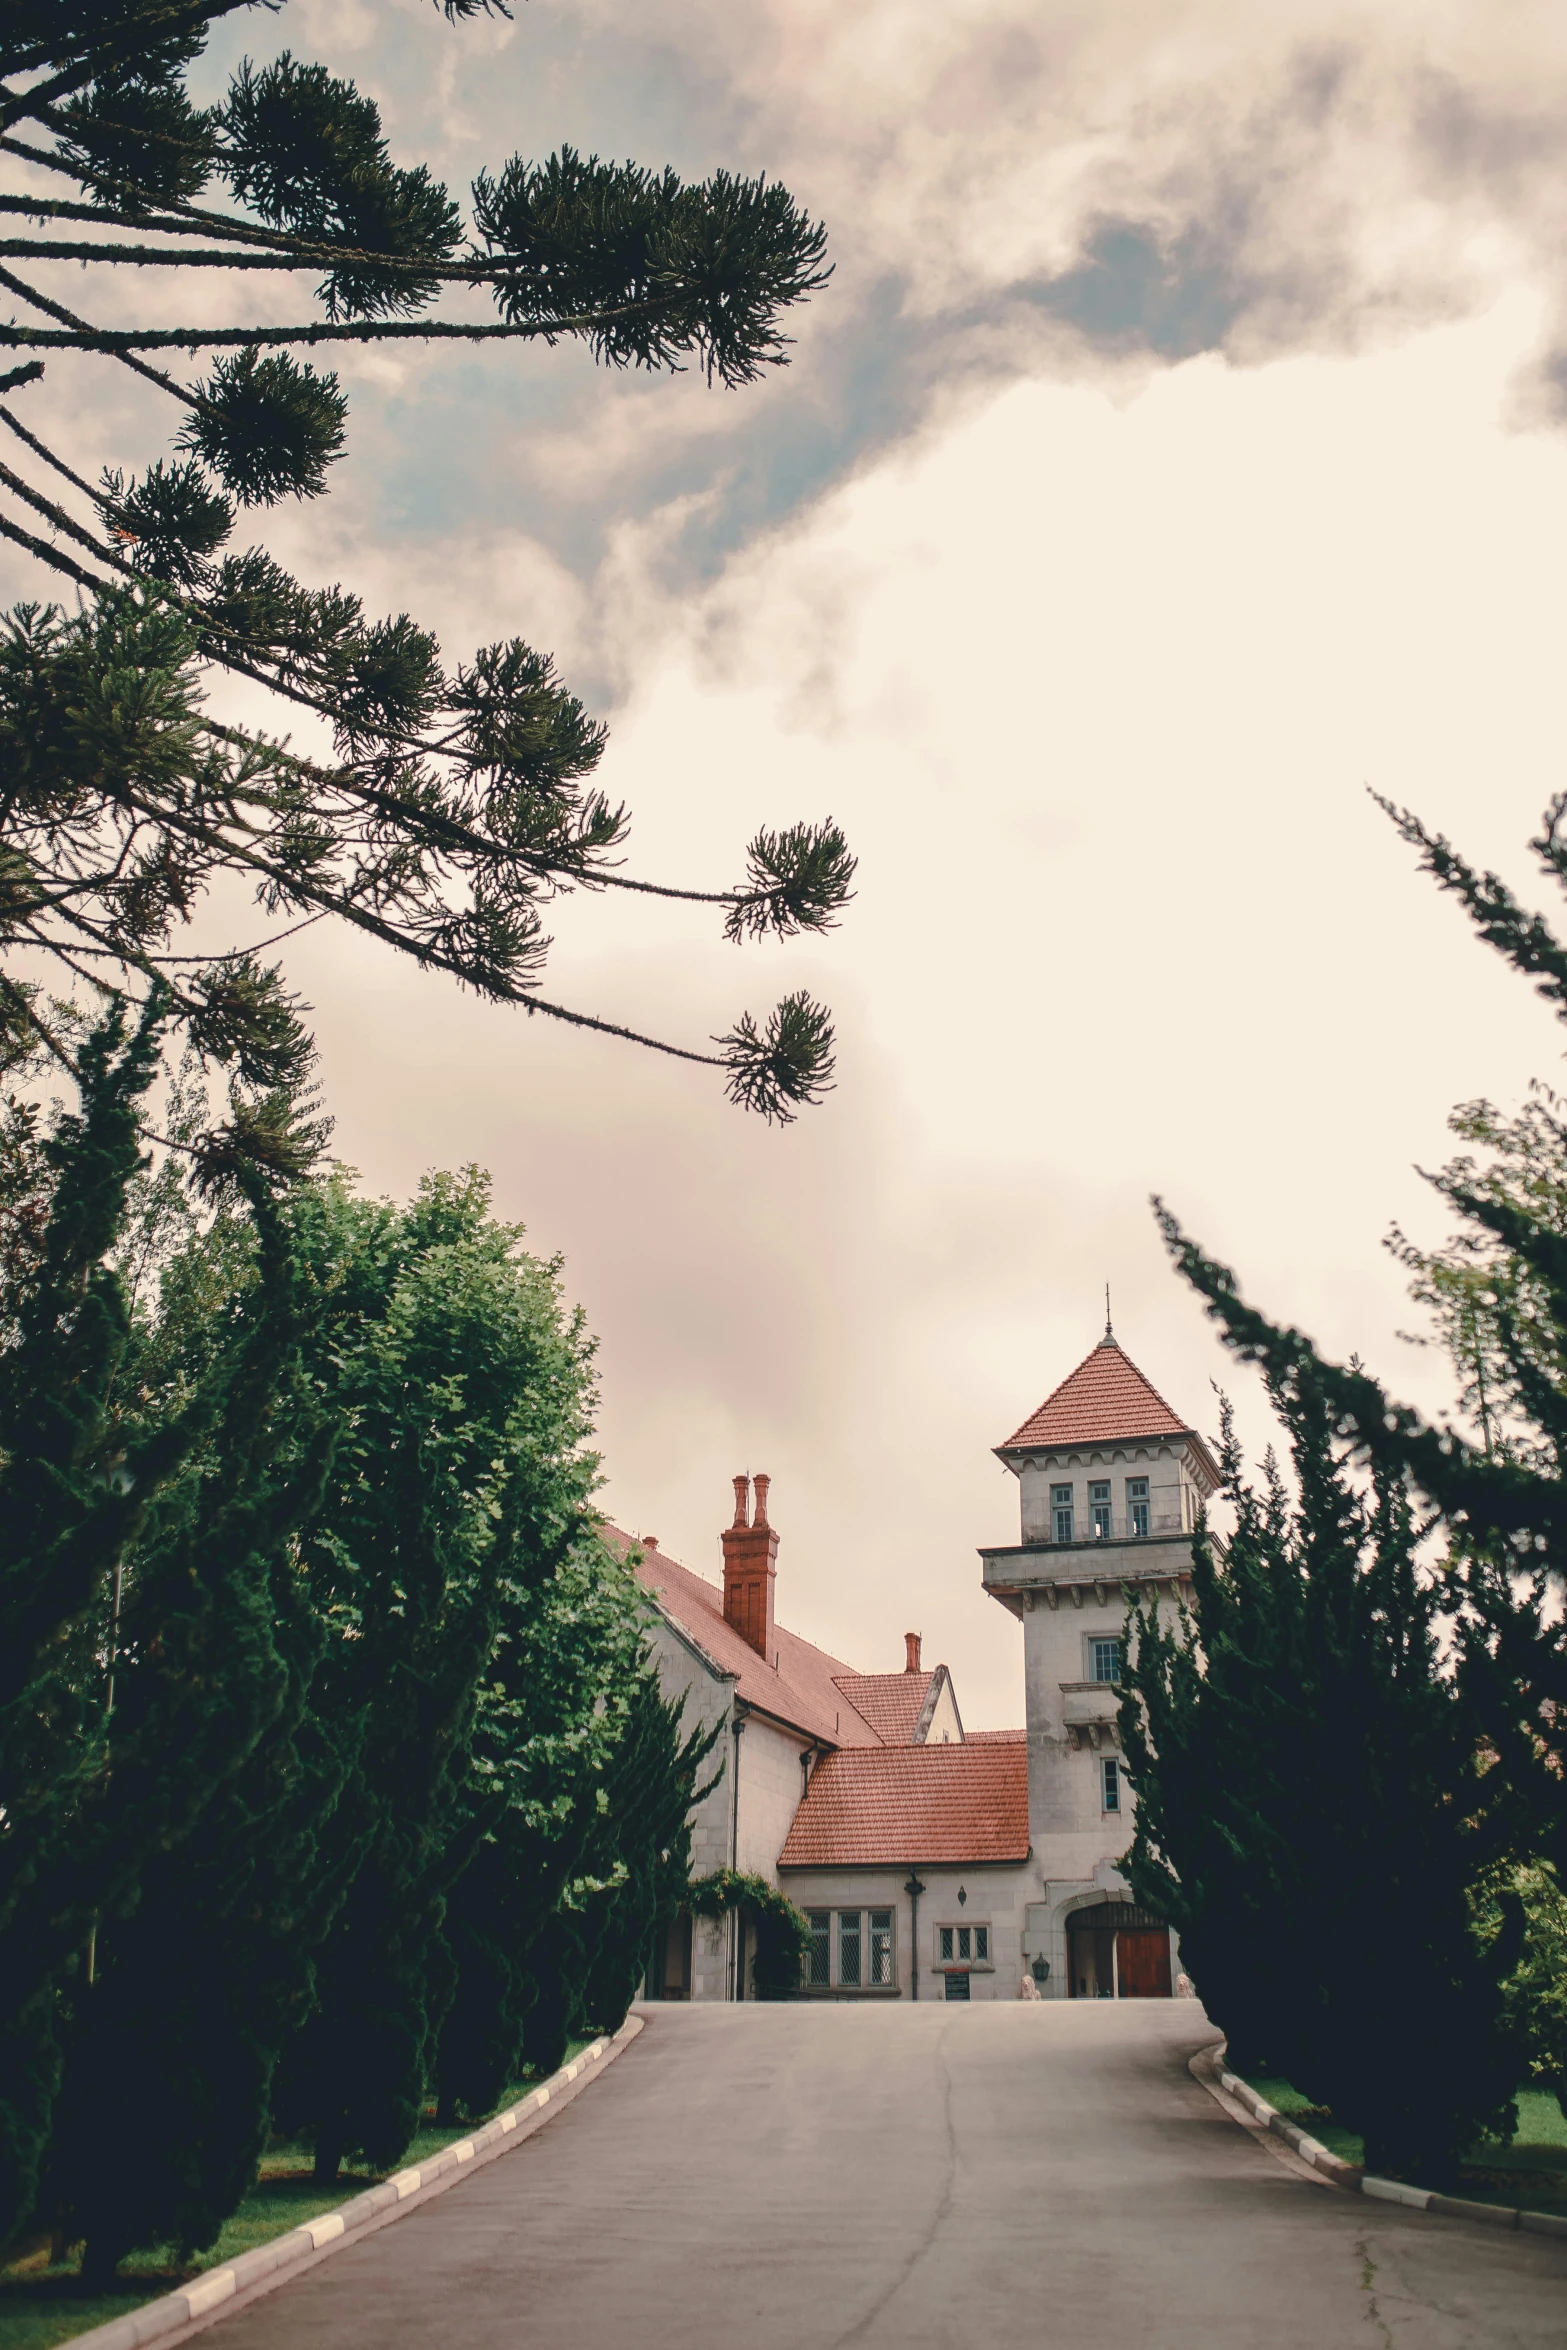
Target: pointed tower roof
1106	1400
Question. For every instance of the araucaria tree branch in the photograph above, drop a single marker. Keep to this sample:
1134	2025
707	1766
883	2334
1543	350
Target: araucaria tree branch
458	797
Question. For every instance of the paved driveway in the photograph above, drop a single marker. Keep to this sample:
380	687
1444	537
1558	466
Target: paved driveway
983	2178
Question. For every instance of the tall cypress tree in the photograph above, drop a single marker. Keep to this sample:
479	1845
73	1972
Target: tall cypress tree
170	2043
89	1799
1499	1291
642	1858
1311	1811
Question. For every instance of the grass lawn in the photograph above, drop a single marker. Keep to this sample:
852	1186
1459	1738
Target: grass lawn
41	2305
1529	2170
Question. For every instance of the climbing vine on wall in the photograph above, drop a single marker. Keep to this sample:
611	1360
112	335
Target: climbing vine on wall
783	1933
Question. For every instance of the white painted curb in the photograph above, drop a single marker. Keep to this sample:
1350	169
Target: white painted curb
272	2264
1206	2067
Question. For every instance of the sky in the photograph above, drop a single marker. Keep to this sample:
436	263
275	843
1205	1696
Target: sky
1177	457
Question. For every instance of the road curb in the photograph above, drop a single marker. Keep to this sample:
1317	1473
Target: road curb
1206	2066
174	2316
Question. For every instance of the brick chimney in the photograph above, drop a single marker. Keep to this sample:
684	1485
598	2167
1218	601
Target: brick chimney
911	1651
751	1567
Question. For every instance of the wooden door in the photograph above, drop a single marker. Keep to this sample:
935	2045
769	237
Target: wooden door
1143	1962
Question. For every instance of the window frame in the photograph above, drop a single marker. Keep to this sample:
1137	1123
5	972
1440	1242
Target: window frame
1062	1513
946	1942
1111	1780
1097	1641
873	1933
1138	1503
1100	1520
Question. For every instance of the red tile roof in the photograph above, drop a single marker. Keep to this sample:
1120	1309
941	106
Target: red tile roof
800	1688
998	1737
891	1806
891	1702
1105	1400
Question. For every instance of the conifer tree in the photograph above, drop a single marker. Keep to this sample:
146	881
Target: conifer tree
1499	1293
196	1968
644	1835
455	798
89	1797
1311	1812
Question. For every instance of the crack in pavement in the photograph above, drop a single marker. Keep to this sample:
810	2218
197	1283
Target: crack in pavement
939	2216
1368	2283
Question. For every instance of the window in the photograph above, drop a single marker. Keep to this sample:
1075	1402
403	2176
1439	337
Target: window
1061	1511
1137	1504
965	1942
982	1943
1110	1773
820	1962
881	1949
1104	1660
849	1946
1099	1511
947	1933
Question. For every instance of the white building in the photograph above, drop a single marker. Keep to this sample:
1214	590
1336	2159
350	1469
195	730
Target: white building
1110	1484
935	1862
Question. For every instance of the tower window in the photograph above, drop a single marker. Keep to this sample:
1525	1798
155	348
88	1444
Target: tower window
1137	1504
1061	1511
1099	1510
1110	1778
1104	1660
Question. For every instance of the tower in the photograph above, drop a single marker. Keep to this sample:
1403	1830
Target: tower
1110	1482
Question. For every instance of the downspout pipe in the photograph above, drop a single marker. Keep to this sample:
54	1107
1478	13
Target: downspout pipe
914	1889
737	1929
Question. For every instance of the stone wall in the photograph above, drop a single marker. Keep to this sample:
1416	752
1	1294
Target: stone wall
995	1898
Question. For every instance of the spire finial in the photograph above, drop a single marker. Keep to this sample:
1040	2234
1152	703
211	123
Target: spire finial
1109	1326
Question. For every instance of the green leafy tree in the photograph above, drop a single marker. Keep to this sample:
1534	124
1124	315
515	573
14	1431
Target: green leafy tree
455	799
553	1710
1537	1987
466	1388
1311	1812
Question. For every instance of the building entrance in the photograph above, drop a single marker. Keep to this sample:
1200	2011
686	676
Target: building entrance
1117	1951
669	1976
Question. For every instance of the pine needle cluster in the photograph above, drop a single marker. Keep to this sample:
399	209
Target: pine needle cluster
456	798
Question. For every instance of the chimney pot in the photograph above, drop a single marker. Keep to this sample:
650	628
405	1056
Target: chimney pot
760	1485
742	1516
911	1647
650	1542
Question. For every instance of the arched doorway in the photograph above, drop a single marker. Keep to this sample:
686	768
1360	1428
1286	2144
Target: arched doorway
1117	1951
